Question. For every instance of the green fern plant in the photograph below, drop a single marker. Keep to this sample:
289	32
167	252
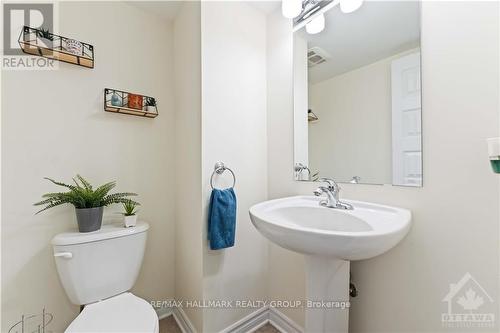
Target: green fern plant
150	101
83	195
129	207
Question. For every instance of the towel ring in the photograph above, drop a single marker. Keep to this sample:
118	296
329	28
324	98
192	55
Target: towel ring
219	169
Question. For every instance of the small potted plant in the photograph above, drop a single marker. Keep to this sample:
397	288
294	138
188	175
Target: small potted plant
130	213
45	36
89	202
150	104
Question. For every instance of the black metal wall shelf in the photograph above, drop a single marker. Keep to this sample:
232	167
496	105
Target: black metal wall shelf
118	101
56	47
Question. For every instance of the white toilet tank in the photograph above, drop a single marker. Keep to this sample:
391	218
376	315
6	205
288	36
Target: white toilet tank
97	265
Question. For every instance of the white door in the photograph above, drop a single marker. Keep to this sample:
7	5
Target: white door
406	121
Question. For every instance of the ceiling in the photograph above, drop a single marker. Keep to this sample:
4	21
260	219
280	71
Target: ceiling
266	7
376	31
167	9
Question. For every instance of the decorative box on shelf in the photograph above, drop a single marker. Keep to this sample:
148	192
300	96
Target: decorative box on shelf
42	43
119	101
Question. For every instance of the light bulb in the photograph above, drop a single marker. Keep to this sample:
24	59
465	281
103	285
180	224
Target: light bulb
349	6
316	25
291	8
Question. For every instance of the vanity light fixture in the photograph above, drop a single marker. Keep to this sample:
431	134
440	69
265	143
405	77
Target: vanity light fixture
313	10
291	8
349	6
316	25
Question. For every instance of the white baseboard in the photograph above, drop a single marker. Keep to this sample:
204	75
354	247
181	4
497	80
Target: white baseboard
179	315
248	324
283	323
164	312
259	318
183	321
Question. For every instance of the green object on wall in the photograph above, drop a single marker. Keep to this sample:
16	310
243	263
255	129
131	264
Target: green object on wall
495	164
494	153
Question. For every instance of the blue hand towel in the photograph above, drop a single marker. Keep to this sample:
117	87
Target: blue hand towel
222	219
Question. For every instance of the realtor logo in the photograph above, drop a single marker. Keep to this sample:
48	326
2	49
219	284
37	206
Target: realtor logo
16	15
467	301
35	323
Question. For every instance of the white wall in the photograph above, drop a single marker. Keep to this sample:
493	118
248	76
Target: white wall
234	131
188	195
353	135
455	215
53	124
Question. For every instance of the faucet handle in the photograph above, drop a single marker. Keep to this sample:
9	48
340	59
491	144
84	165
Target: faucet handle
331	183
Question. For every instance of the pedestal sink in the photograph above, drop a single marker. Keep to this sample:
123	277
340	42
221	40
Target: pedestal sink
330	239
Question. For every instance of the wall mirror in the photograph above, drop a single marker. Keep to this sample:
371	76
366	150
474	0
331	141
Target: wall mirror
357	96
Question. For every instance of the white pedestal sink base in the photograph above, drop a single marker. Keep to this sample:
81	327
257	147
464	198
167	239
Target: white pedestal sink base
303	225
327	282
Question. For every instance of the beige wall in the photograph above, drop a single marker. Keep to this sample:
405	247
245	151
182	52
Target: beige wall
188	195
234	131
455	215
53	124
353	135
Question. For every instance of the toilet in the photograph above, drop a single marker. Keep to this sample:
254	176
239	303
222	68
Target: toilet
97	270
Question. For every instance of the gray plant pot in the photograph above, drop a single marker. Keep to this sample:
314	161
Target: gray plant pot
89	219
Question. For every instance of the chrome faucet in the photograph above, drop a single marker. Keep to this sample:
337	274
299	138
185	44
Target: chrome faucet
332	191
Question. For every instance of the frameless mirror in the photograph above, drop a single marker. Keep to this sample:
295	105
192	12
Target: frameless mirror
357	96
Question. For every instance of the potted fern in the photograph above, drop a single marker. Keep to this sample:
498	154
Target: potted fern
46	37
130	213
89	202
150	104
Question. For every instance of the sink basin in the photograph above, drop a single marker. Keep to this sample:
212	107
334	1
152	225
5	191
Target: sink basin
330	239
300	224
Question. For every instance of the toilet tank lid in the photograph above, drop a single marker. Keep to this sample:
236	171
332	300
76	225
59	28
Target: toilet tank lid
107	231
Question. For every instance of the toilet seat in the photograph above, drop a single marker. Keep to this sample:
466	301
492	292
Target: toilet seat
120	314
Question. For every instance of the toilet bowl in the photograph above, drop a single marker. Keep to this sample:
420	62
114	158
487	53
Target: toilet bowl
97	269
